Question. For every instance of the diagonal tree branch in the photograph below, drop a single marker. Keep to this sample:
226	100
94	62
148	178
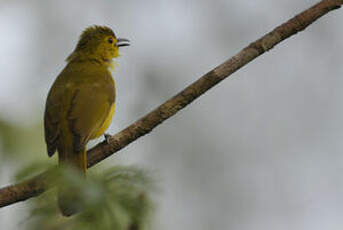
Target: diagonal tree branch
34	186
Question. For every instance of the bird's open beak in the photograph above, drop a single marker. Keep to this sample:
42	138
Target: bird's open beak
122	42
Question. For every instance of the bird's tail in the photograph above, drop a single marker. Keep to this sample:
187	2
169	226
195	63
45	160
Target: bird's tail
67	198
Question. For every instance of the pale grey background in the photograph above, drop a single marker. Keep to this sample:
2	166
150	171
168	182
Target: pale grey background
262	150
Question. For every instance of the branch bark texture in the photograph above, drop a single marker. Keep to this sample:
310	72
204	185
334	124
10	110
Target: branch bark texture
34	186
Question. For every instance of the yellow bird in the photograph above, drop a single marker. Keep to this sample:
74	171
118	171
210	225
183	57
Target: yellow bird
81	101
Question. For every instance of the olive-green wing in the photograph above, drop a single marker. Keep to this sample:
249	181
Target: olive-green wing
52	116
91	104
83	102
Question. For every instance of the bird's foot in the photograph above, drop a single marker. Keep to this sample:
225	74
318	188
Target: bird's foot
107	137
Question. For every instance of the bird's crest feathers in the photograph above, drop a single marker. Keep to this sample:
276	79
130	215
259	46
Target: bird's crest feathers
89	35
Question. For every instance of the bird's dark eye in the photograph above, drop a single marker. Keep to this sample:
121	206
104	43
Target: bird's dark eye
110	40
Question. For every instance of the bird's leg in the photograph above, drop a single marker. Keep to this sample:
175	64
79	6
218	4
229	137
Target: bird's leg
107	137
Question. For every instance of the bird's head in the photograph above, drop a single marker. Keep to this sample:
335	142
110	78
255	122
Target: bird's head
98	43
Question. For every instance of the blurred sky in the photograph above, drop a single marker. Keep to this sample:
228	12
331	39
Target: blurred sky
262	150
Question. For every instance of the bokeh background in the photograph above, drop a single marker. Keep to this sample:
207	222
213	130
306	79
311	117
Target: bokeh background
262	150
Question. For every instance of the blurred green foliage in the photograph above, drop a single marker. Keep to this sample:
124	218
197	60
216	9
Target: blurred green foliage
21	140
118	198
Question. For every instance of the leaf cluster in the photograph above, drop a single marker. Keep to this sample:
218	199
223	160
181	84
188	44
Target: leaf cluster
118	198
